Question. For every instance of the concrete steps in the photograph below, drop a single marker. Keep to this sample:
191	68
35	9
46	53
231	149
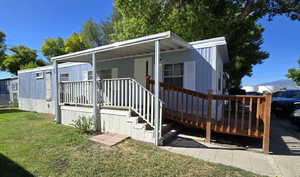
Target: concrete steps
144	132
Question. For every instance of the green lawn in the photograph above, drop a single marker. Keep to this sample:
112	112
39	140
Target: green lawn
32	145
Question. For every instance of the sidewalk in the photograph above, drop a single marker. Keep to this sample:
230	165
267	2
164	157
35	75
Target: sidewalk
284	160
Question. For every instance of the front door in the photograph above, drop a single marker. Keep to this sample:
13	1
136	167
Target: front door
142	68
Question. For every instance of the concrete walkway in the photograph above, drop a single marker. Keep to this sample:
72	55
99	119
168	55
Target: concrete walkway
283	161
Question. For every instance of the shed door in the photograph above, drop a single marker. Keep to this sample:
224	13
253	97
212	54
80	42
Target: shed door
48	81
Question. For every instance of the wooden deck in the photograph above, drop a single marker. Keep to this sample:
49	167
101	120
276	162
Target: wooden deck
242	115
221	126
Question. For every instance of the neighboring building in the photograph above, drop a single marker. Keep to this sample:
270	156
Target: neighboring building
262	88
9	91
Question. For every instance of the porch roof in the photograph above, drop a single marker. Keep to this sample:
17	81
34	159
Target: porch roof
135	47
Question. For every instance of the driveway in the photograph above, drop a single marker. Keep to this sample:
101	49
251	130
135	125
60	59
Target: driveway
284	159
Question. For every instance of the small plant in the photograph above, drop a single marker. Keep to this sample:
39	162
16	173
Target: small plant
84	124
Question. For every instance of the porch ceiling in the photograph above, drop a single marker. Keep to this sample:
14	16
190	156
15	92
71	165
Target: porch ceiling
135	47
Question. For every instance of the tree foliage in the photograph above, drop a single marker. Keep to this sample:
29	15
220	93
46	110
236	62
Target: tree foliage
53	47
294	74
201	19
20	57
2	46
75	43
92	33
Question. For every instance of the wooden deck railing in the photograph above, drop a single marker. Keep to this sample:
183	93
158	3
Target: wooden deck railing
238	115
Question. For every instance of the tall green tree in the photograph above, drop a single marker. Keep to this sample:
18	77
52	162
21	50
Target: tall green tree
201	19
2	47
20	56
53	47
98	34
75	43
92	33
294	74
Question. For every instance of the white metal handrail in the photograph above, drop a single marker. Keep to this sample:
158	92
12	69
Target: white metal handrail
77	92
130	93
117	92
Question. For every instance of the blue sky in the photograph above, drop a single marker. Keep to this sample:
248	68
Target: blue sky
30	22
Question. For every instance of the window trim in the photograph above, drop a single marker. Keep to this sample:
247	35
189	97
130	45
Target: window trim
41	75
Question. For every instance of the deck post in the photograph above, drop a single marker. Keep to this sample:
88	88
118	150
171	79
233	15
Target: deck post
267	120
156	92
208	121
56	90
95	108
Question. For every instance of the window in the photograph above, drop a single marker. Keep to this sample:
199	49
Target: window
64	77
220	82
14	86
104	74
173	74
39	75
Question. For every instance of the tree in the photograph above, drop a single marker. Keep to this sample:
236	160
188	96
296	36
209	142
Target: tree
2	47
92	33
75	43
21	56
294	74
53	47
201	19
98	34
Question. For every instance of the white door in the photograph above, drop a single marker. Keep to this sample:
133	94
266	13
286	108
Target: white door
48	86
142	68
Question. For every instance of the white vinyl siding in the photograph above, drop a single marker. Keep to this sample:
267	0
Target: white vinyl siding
189	79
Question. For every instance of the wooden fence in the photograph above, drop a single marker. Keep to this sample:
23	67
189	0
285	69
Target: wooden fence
242	115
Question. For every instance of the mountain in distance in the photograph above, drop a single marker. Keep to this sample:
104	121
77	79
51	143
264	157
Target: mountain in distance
284	83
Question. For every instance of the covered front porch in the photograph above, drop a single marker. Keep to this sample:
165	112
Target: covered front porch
128	92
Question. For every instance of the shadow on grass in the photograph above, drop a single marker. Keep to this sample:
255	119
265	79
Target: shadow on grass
10	168
9	110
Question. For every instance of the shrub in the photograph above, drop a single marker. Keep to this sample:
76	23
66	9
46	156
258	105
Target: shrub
84	124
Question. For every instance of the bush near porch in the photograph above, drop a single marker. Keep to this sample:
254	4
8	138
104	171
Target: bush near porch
31	144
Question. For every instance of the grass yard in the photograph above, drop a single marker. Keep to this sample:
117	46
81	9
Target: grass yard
32	145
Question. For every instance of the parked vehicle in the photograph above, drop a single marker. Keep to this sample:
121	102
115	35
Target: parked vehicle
253	93
285	103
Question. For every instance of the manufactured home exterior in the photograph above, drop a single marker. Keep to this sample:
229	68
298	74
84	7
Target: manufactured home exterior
200	69
9	91
136	87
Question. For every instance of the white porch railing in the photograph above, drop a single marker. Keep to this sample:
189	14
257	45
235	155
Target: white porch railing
76	92
119	92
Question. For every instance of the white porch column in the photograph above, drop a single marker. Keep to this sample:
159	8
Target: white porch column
56	82
156	91
95	108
